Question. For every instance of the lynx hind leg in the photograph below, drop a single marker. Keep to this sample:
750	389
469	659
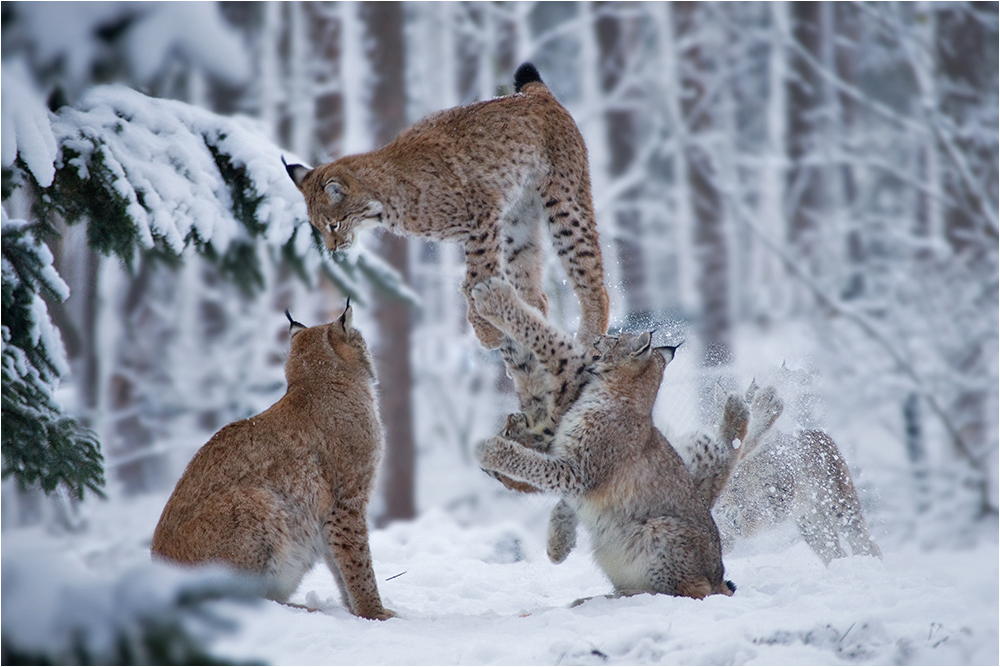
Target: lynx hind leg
819	533
844	507
683	562
482	260
562	532
570	217
244	528
347	540
524	263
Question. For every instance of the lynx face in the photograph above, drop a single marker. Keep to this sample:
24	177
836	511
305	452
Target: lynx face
629	355
337	203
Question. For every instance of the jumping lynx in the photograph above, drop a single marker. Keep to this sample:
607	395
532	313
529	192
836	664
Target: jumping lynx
777	476
272	494
651	531
486	175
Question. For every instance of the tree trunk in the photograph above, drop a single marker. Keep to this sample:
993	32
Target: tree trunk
967	62
384	21
712	281
805	90
616	38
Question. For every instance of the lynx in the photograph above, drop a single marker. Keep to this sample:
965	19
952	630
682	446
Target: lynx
549	382
486	175
777	476
272	494
651	531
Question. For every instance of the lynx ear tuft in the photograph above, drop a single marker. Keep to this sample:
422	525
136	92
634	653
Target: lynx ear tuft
297	172
668	352
347	319
293	326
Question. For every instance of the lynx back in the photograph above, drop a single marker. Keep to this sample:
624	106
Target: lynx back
491	176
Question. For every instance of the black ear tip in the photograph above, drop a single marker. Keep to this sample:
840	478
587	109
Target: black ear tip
289	316
284	162
348	302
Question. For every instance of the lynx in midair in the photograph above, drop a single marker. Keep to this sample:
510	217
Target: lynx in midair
491	176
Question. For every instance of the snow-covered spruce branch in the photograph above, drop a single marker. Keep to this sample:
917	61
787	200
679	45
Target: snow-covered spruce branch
41	445
146	175
150	174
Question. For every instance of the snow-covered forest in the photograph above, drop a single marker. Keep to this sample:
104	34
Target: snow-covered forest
805	193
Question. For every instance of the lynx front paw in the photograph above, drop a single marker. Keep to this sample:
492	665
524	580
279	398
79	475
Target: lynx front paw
382	615
492	453
767	407
516	427
735	418
490	297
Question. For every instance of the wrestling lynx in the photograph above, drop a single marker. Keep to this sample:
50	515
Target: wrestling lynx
804	477
272	494
485	175
651	531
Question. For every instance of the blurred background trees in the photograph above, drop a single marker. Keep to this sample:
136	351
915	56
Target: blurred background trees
761	172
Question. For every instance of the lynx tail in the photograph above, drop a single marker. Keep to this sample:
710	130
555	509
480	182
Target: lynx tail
524	75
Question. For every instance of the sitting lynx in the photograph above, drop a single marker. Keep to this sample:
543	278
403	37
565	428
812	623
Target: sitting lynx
651	530
485	175
272	494
777	476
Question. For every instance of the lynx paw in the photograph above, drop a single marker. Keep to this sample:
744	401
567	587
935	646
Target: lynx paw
735	418
516	427
489	453
383	615
490	296
766	405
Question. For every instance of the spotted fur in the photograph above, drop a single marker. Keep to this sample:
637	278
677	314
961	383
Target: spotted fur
802	477
492	176
617	474
273	494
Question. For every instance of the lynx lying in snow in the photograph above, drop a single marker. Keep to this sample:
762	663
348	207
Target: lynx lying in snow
486	175
802	476
652	532
272	494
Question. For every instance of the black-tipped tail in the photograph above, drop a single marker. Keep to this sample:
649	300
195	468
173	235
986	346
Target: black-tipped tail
731	585
524	75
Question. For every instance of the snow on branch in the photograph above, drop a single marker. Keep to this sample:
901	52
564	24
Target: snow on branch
158	175
152	614
40	444
27	133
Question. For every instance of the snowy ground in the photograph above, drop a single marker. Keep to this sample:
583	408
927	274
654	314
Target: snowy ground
459	605
474	587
